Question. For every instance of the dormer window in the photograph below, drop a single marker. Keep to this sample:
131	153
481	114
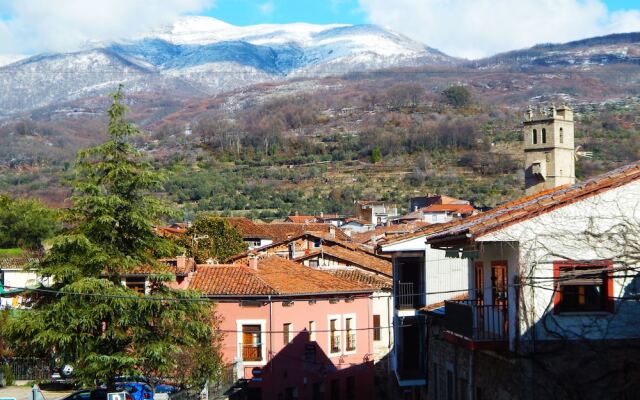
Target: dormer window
534	137
544	135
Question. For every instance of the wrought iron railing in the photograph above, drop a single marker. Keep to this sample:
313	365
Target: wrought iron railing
477	321
251	352
407	298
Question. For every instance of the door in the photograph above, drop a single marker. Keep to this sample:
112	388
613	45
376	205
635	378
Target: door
499	282
497	318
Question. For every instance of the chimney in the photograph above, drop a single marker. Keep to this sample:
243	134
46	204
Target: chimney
332	231
292	250
181	263
253	262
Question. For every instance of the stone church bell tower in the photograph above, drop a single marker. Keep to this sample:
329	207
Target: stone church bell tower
548	149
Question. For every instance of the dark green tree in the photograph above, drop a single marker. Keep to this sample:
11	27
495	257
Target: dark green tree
376	155
212	237
25	223
457	96
94	322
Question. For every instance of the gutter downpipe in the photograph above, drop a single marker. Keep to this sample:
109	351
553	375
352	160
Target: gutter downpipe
270	337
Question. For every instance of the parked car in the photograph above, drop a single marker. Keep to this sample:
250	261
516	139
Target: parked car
92	394
138	390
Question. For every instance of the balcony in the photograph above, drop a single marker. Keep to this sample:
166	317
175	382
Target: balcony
477	324
251	352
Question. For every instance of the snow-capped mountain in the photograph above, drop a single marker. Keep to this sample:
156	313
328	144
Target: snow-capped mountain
202	55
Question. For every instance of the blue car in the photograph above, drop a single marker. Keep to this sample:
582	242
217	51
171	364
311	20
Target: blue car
137	390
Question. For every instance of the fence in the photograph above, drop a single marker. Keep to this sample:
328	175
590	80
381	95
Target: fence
29	369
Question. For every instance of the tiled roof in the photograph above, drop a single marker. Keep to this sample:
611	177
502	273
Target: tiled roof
355	275
530	206
327	239
229	280
439	304
169	231
248	228
301	219
279	231
273	276
384	231
356	258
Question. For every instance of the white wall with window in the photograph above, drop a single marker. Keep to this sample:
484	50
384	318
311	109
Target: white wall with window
579	267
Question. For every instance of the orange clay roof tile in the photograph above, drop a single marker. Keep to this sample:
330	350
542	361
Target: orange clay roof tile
273	276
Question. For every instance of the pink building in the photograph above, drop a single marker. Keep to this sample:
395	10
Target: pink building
292	332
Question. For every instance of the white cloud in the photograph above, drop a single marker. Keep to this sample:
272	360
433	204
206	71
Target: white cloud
478	28
267	8
64	25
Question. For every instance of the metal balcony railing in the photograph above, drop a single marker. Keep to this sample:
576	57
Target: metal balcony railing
407	298
251	352
476	321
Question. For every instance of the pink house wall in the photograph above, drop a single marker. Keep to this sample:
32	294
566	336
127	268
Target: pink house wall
285	366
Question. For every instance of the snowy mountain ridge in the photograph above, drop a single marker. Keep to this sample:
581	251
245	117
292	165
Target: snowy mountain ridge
198	56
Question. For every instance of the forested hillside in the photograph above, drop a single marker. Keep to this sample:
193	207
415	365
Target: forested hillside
317	146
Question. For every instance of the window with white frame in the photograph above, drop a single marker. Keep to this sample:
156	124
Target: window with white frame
286	333
334	334
251	341
312	330
350	332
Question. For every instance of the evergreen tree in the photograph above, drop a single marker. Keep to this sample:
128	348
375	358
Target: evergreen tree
25	223
94	322
212	237
457	96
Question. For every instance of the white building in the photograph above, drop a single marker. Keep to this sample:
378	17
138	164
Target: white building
423	277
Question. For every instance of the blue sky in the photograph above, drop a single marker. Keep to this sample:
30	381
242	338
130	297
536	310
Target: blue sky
249	12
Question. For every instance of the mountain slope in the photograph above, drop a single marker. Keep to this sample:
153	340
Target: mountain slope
201	55
581	54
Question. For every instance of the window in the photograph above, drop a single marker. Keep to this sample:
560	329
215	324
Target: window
251	346
350	333
544	135
479	281
334	336
286	333
583	286
317	243
376	327
561	135
534	137
137	283
313	263
312	330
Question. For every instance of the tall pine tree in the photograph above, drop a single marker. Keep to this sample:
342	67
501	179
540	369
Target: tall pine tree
94	322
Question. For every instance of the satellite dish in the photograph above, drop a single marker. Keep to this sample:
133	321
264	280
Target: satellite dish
579	153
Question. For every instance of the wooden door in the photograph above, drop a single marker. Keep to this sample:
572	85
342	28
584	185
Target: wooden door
499	282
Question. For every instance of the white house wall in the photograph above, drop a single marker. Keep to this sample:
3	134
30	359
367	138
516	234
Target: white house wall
382	304
605	226
445	278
